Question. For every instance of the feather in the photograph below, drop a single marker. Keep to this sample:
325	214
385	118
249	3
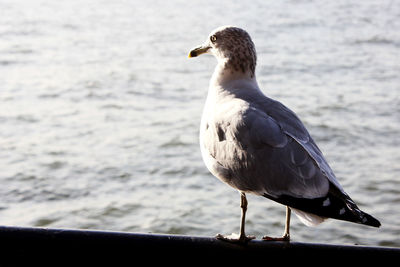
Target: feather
256	144
265	149
308	219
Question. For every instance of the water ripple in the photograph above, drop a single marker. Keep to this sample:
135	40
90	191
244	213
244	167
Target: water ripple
100	114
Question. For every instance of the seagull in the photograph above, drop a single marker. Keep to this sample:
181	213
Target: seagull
257	145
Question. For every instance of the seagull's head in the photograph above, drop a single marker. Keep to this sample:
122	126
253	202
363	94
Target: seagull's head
233	48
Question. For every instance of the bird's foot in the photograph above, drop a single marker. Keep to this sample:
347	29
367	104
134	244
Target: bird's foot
283	238
235	238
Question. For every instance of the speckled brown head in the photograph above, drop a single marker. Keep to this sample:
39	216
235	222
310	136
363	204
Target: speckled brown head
232	46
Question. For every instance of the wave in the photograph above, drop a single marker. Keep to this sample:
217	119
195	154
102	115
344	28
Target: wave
376	40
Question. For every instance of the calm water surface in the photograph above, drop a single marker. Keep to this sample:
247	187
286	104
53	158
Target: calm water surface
100	110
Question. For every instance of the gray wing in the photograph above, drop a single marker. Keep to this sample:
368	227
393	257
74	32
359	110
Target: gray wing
265	149
259	156
293	127
286	167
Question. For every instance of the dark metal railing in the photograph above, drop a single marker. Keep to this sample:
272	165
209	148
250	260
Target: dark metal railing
38	244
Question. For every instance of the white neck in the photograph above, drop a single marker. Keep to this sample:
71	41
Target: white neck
224	76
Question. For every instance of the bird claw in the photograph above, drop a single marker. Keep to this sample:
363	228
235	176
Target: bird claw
283	238
235	238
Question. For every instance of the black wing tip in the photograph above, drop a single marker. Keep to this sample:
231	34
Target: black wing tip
370	221
331	206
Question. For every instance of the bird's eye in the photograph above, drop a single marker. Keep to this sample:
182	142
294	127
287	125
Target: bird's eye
213	38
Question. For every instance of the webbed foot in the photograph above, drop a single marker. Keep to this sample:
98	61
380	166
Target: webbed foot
283	238
235	238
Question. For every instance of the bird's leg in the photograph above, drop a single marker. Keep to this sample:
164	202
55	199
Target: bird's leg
243	206
242	238
286	234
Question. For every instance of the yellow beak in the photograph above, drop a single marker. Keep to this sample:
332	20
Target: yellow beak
198	51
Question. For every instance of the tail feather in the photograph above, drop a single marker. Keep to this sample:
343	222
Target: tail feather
336	204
